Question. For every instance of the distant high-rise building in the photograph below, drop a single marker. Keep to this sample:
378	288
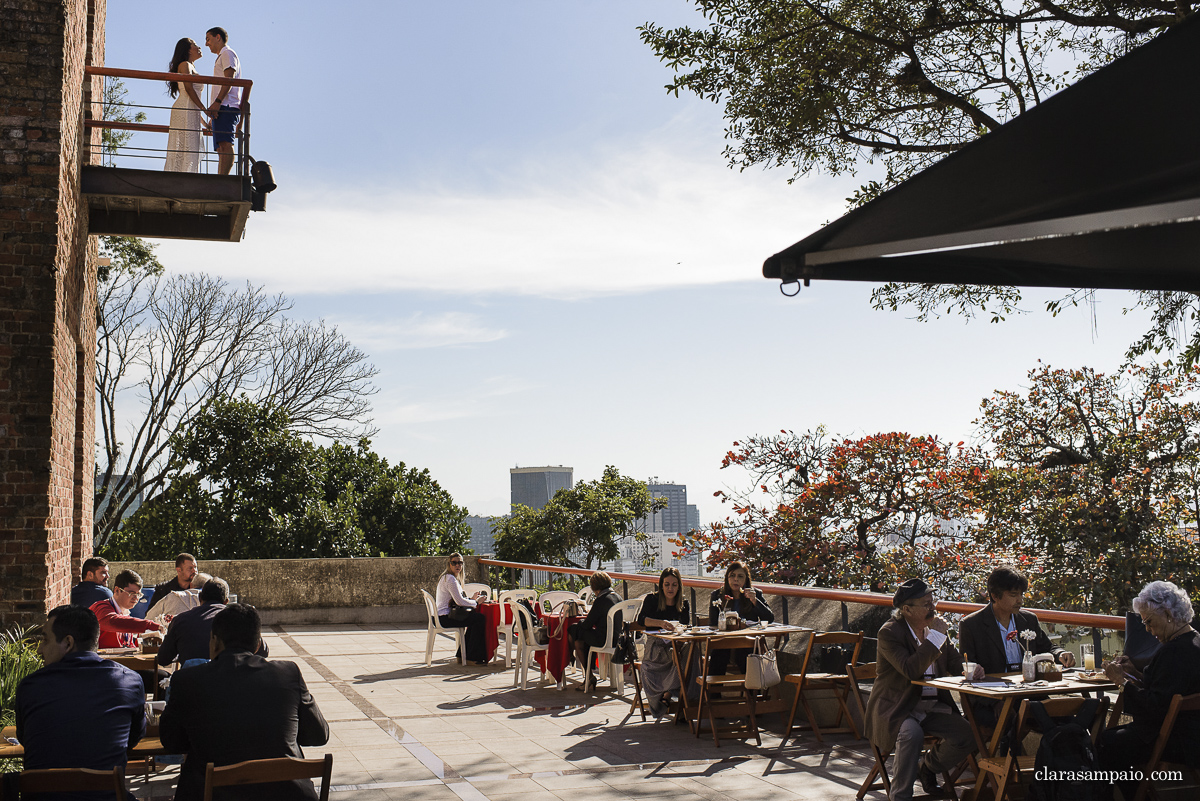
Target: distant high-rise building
693	517
535	486
482	537
674	518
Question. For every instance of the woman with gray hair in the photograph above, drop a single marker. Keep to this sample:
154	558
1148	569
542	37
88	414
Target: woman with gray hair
1166	612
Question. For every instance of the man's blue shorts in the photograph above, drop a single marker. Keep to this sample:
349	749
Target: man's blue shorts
224	125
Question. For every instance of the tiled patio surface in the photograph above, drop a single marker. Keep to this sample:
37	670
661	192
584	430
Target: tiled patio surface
400	730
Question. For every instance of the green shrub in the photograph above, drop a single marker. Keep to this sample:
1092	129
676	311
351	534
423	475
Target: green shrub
18	658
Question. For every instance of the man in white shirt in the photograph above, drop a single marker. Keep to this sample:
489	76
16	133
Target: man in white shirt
226	103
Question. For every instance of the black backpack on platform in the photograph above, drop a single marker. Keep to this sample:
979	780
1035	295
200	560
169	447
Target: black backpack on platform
1066	748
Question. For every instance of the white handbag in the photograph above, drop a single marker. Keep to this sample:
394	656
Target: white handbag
762	671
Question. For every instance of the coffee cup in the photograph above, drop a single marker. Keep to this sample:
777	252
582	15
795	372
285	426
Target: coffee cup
969	670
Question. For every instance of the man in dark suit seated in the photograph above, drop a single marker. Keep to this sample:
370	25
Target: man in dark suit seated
237	707
94	586
79	711
188	636
990	637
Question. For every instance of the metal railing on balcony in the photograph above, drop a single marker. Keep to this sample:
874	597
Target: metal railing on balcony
1096	623
141	149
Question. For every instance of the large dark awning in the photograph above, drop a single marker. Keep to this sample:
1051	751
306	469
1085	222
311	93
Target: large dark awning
1098	186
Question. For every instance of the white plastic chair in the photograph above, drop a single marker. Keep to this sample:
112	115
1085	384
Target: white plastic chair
587	595
525	646
555	597
435	628
504	632
474	587
604	664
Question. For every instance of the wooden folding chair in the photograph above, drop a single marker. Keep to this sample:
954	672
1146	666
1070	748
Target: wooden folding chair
1007	772
839	683
1179	703
724	686
75	780
637	702
262	771
877	778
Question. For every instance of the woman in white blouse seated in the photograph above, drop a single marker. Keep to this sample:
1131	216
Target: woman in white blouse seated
450	595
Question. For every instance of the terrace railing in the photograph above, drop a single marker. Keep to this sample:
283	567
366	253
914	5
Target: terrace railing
144	148
1097	623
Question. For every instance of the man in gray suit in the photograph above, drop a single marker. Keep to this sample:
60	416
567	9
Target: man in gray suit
913	645
239	706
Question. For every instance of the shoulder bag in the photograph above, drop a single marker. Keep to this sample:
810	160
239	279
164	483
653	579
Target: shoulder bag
762	671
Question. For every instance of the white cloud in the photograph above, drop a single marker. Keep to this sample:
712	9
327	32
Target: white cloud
625	220
397	408
420	330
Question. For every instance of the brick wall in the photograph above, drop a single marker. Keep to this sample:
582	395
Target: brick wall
47	306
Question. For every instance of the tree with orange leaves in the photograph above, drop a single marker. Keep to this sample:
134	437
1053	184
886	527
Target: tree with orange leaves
851	513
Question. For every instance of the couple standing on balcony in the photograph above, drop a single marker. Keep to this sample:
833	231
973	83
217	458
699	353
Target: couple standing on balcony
183	141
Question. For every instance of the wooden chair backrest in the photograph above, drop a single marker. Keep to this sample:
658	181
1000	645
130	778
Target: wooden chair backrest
75	780
261	771
1061	708
731	643
1179	703
832	638
859	674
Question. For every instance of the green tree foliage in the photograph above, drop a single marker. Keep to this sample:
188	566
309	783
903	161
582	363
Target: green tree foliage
402	511
1085	480
166	346
821	84
244	485
579	527
831	84
115	109
1095	475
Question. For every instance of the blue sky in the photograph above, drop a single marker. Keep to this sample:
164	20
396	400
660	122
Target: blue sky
546	256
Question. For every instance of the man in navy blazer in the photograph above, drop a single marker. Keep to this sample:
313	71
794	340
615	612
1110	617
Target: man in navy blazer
990	637
79	711
237	707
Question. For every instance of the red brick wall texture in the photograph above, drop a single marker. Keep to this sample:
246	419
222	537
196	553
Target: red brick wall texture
47	300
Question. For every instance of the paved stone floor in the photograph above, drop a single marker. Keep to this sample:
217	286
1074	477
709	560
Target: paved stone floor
400	730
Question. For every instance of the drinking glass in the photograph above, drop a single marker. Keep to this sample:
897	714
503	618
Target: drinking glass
1087	655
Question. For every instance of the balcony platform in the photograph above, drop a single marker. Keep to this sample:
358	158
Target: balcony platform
400	730
165	205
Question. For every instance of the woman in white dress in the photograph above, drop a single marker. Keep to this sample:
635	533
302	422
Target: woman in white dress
183	141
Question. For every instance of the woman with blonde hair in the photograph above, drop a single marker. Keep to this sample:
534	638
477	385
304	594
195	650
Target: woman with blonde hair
450	596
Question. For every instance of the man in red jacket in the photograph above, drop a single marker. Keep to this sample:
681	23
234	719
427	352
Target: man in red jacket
117	628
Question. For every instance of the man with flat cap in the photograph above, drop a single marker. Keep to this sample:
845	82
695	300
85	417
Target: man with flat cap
913	645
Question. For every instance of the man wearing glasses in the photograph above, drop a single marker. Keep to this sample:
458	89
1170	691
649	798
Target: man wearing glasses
117	628
912	646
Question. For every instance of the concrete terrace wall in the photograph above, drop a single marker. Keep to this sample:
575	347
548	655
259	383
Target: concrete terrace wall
373	590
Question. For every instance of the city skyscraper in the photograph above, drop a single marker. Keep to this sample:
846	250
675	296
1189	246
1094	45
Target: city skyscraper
674	518
482	537
535	486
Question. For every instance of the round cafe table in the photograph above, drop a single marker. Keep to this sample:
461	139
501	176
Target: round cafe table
491	610
556	657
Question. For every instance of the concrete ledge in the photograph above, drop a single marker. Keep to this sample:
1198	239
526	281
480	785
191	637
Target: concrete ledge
401	615
372	590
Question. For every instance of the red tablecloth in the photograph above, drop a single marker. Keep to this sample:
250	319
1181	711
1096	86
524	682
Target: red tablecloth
555	657
491	610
